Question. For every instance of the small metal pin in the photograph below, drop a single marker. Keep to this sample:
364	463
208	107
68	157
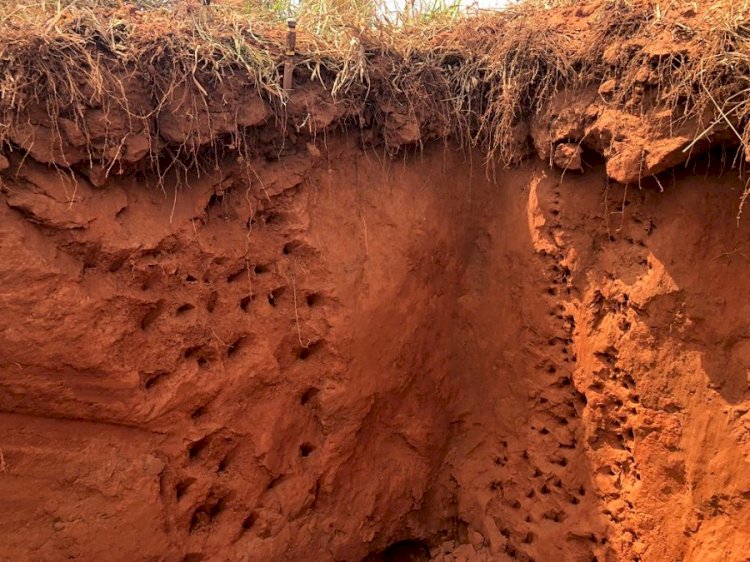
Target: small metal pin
291	44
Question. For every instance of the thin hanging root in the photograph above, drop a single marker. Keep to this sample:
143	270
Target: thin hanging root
724	115
296	317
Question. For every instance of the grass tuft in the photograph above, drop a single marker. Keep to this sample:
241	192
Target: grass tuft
103	77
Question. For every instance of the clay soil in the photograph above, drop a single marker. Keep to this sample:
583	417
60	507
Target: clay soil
369	352
375	347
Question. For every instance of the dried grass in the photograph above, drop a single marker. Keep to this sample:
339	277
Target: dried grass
475	77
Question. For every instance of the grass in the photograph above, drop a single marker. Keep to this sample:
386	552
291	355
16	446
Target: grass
473	76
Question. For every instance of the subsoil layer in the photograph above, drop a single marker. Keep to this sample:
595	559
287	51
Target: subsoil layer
352	351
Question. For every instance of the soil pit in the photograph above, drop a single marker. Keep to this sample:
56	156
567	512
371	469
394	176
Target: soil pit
363	359
331	326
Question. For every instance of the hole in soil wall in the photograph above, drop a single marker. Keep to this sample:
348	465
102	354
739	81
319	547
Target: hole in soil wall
197	352
273	296
246	302
153	313
410	550
271	217
182	487
290	247
207	513
234	347
308	395
212	299
196	447
248	522
237	275
313	299
223	464
305	353
150	380
591	158
187	307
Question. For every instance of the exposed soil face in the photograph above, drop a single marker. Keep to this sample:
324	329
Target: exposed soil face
349	357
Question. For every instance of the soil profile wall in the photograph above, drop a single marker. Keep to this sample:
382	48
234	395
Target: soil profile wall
345	351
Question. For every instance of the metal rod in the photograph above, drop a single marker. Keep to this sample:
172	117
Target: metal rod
291	44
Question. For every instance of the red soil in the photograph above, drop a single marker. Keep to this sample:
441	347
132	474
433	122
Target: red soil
350	351
315	351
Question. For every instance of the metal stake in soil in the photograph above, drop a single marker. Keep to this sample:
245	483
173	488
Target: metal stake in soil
291	43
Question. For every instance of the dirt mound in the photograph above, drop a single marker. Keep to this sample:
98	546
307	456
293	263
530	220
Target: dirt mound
241	323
